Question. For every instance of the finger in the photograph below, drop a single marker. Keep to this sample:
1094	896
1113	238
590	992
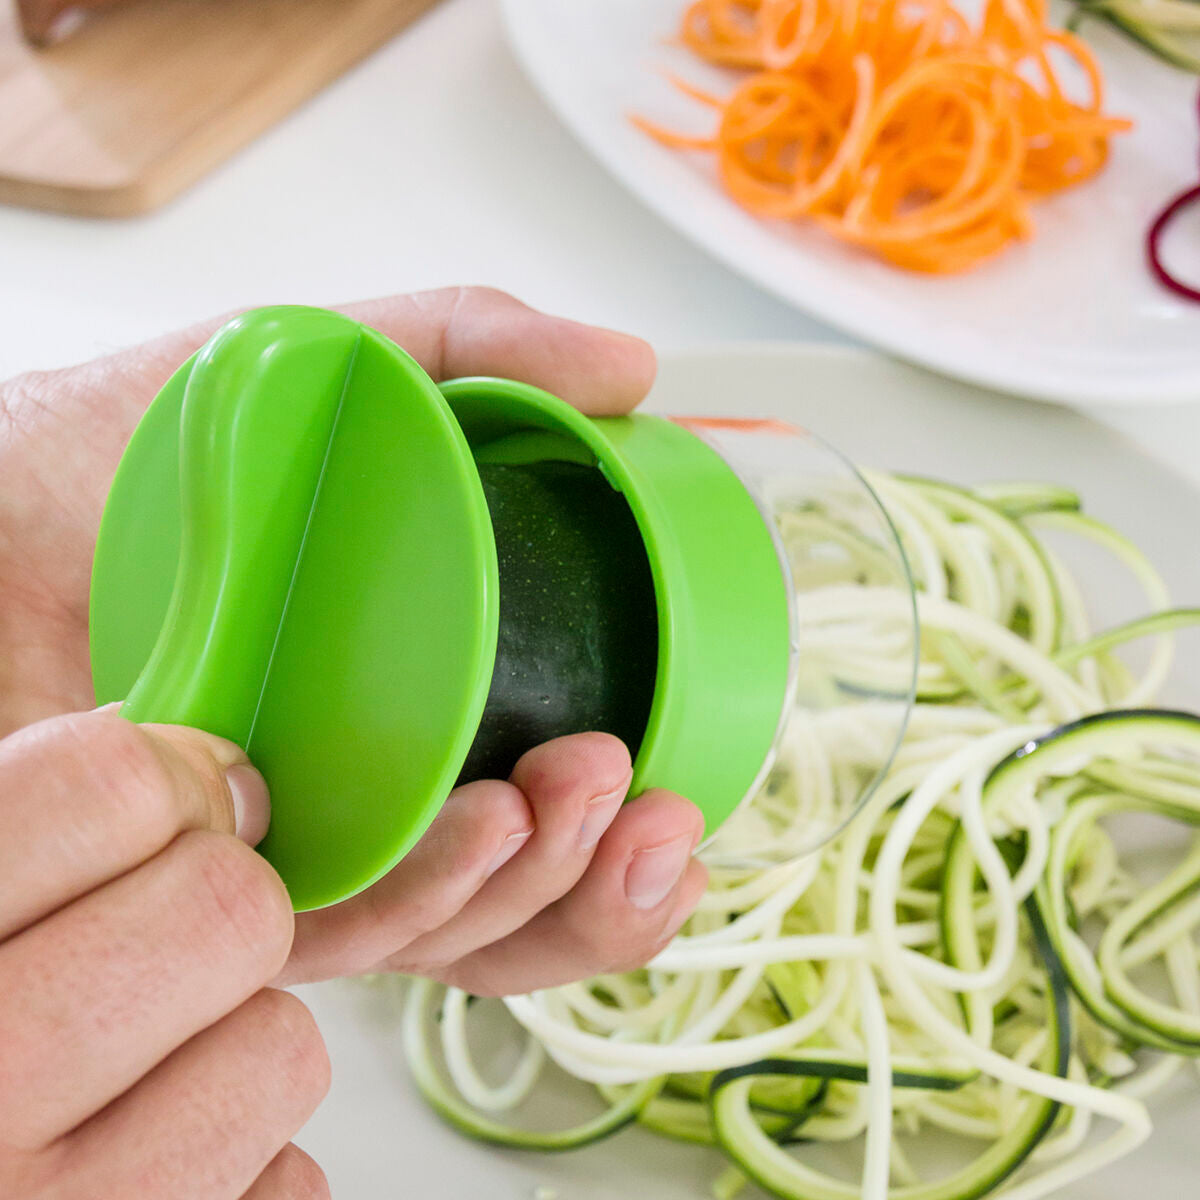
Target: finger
210	1121
477	830
89	796
101	991
451	332
639	889
480	331
574	786
290	1175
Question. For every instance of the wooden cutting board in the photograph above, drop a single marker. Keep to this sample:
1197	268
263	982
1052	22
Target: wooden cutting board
148	96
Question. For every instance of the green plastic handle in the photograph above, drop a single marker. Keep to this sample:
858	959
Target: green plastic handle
335	601
250	471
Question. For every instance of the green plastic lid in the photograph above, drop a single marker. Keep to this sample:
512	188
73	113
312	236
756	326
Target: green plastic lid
297	554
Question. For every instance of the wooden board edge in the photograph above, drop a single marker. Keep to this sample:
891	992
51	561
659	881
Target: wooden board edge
176	171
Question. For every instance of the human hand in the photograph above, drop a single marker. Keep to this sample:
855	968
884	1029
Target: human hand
141	1053
590	885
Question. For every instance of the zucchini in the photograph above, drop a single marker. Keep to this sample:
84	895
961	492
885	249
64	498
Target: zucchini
786	1178
1018	500
1155	902
1082	971
679	1119
417	1040
1099	738
1045	612
788	1097
691	1120
578	637
1168	621
820	1064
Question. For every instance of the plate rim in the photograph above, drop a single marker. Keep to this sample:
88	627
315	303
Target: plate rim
800	350
1044	384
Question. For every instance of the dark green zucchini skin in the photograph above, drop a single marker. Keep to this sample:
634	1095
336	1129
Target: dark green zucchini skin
578	639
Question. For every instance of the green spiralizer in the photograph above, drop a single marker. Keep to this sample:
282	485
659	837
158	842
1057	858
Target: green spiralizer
380	587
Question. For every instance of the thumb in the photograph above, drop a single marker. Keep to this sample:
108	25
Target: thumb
88	797
237	794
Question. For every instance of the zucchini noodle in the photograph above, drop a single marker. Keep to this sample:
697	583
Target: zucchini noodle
970	962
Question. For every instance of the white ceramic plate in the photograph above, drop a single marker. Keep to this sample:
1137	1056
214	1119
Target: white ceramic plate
374	1135
1072	316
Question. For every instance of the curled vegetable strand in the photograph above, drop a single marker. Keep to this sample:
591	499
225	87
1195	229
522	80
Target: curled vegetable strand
895	126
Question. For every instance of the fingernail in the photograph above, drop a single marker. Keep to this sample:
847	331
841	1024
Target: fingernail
655	871
598	816
251	803
43	24
64	25
508	848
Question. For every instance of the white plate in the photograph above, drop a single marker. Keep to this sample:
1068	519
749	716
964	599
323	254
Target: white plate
375	1137
1072	316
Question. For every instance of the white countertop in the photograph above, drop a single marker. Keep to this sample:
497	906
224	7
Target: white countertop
432	163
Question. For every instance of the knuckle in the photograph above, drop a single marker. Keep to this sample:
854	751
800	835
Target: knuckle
596	749
598	945
615	946
127	750
573	770
462	848
22	393
426	966
122	761
239	896
483	985
654	943
456	851
45	1175
656	937
301	1177
297	1043
629	957
632	959
483	295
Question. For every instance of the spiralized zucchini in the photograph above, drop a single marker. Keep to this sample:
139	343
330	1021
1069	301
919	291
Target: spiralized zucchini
970	961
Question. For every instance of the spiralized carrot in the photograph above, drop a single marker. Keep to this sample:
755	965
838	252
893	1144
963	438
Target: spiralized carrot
894	124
